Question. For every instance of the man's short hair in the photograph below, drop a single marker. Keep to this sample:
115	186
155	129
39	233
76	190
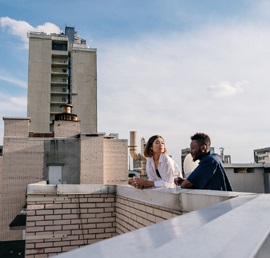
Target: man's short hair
202	139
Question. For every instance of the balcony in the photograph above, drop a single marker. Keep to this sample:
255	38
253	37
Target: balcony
59	73
63	81
60	92
57	62
59	53
58	102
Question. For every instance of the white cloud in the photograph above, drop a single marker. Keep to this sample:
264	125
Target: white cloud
225	89
13	80
158	85
11	105
21	28
20	102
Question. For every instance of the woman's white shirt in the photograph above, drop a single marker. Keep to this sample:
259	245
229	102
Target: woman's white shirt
167	168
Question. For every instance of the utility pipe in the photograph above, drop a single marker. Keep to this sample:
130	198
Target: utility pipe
135	155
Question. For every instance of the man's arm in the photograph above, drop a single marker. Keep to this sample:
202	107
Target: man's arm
186	184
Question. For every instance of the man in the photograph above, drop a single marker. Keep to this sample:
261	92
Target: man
210	173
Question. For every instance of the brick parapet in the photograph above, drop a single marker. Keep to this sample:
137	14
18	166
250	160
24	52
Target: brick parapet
64	222
58	223
133	214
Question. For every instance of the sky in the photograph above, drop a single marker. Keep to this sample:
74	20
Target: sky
167	67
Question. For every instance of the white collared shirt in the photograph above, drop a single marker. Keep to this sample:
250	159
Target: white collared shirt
167	168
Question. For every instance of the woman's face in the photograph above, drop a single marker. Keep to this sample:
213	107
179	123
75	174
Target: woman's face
158	146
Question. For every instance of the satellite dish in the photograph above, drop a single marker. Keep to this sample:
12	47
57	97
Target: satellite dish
189	165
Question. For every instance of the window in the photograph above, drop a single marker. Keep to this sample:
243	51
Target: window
58	45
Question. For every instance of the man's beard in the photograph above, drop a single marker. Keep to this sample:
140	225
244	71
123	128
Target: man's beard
199	155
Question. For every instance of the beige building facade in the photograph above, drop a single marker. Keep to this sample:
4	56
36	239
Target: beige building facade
62	70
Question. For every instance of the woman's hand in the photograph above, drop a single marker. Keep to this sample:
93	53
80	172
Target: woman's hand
139	183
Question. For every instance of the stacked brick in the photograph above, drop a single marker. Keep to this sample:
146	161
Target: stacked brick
132	214
57	224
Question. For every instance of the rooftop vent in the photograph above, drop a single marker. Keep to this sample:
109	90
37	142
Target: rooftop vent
66	114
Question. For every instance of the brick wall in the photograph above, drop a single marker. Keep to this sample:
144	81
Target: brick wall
115	161
132	214
92	159
60	223
16	127
16	175
103	161
66	128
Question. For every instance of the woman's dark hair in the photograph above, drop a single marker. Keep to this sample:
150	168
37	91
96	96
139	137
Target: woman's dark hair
148	152
202	139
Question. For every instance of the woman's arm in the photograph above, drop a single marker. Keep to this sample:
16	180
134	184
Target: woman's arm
140	183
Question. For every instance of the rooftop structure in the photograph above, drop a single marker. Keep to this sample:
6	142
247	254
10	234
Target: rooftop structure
64	156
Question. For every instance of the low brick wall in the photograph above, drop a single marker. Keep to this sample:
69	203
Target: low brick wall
60	223
65	217
132	214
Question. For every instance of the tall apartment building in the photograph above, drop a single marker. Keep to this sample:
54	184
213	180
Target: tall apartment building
62	70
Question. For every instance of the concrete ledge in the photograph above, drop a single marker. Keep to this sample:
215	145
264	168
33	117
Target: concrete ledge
43	188
85	189
177	199
238	227
193	200
168	198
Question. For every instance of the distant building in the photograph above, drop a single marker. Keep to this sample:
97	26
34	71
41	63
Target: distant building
262	155
62	70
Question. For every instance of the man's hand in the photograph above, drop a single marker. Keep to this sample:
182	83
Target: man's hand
179	180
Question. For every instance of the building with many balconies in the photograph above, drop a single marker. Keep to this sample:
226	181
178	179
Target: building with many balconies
62	70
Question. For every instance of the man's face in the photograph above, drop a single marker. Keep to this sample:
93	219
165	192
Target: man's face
195	151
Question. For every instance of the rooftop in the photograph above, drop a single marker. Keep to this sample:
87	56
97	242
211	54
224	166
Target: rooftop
221	224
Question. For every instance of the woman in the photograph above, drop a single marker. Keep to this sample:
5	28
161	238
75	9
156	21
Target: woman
160	168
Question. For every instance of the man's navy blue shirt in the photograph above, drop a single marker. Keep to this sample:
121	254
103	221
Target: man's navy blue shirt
210	174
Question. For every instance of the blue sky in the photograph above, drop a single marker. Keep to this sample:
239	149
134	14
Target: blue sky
170	67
